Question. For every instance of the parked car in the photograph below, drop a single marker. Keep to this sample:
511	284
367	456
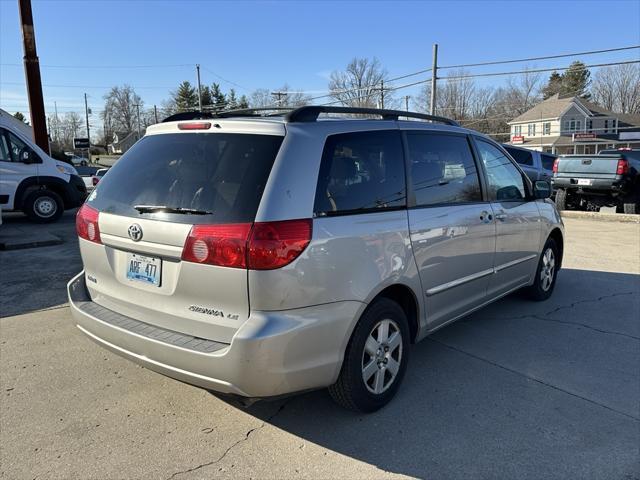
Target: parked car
98	175
265	256
589	182
537	165
30	180
79	161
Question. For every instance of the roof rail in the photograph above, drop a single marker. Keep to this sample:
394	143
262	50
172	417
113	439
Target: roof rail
195	115
310	113
254	112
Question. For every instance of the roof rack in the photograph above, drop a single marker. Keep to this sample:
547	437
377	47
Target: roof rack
254	112
195	115
310	113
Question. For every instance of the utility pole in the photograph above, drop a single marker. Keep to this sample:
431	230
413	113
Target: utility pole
406	102
382	94
155	112
32	74
86	116
137	105
279	96
199	88
434	76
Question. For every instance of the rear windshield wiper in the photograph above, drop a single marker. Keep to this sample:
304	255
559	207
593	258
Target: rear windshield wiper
165	209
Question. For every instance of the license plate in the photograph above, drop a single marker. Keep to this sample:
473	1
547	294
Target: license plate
584	181
144	269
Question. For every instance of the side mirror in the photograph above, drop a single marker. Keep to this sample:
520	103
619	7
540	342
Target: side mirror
541	189
27	156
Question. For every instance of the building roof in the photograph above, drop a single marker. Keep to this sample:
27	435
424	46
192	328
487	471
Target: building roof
555	106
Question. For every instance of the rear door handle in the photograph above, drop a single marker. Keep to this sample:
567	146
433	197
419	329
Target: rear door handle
500	216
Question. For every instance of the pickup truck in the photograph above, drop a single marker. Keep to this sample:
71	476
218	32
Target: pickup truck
588	182
537	165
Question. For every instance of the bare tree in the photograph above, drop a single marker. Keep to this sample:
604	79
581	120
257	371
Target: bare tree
71	125
523	92
260	98
120	110
617	88
360	85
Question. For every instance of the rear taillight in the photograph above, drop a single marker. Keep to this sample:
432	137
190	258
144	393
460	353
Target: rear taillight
95	181
87	224
261	246
623	167
555	165
276	244
223	245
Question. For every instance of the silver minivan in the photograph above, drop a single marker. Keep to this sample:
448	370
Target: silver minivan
259	254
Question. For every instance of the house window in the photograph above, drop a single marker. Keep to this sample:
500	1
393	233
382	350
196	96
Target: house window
578	125
546	128
531	130
517	130
572	125
613	126
589	125
606	126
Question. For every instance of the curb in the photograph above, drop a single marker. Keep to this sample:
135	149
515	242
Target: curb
603	217
5	246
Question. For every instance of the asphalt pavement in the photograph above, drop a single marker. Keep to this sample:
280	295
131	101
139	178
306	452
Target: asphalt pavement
516	390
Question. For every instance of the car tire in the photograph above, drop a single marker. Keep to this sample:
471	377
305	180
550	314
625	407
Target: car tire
43	206
561	199
380	339
546	273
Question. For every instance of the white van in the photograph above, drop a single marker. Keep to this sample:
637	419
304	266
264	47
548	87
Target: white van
30	180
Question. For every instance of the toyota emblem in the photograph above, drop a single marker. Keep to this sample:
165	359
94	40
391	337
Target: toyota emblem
135	232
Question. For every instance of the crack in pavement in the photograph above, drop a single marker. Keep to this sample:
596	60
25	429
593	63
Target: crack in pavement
541	316
233	445
534	379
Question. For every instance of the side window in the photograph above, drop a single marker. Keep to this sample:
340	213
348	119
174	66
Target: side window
505	180
16	147
442	169
521	156
5	156
361	172
547	161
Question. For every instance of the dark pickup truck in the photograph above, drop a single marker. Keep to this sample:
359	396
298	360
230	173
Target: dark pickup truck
588	182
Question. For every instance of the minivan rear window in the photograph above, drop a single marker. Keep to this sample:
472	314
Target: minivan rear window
223	174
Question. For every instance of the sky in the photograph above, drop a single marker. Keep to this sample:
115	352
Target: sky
88	46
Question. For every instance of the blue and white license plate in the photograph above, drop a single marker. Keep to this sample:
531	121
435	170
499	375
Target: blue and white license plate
144	269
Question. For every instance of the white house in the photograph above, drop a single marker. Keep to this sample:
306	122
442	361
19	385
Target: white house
564	125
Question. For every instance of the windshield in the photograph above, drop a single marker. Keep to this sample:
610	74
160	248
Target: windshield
222	175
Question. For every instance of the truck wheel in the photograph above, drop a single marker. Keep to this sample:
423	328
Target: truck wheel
561	199
43	206
375	360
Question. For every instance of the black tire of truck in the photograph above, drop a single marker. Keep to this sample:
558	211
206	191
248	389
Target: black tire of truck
561	199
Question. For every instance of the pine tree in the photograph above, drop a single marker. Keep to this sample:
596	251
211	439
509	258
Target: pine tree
244	102
207	99
553	86
186	97
218	98
232	101
576	80
20	116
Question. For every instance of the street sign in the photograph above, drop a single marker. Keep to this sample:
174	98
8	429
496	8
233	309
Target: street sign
577	137
517	139
81	143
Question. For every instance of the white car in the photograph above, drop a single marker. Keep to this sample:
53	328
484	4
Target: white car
30	180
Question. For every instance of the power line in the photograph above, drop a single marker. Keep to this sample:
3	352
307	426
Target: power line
224	79
547	57
85	86
110	67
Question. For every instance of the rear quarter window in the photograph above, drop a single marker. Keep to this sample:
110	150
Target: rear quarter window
221	173
361	172
521	156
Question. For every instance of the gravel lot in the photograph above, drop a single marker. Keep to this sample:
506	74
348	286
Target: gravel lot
517	390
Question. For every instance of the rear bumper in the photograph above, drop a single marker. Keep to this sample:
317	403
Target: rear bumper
271	354
598	186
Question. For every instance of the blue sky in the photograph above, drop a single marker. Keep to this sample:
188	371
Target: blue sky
265	44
